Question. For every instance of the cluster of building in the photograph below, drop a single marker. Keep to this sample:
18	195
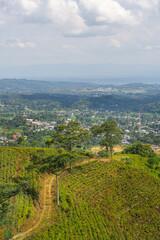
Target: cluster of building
4	140
41	126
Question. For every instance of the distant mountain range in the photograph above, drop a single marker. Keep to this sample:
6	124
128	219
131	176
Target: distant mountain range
97	73
30	86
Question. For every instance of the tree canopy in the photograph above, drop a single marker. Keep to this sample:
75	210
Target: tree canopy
141	149
110	135
70	136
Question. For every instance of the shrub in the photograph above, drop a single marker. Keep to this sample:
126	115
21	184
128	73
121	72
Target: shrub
141	149
102	153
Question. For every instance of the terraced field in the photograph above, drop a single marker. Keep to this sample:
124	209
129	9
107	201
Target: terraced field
15	212
106	200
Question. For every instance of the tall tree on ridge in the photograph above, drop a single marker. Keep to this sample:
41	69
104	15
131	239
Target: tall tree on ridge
110	135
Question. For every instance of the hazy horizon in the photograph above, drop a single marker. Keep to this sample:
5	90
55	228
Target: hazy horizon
83	72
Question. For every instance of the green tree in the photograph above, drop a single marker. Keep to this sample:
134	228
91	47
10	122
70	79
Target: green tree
70	136
48	142
141	149
8	190
18	121
70	158
53	164
154	161
21	140
110	135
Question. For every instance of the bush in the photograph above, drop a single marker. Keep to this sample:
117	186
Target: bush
87	154
102	153
140	149
152	161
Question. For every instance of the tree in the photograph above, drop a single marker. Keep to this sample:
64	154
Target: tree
70	158
70	136
58	163
110	135
54	164
154	161
21	140
141	149
48	142
8	190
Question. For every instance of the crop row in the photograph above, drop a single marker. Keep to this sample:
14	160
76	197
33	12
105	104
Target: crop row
13	169
106	201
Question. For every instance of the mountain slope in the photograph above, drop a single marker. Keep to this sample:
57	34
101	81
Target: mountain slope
30	86
106	201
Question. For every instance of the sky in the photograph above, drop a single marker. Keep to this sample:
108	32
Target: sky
121	32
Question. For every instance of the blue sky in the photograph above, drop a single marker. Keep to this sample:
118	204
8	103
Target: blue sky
122	32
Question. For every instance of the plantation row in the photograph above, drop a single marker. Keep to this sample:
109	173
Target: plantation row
21	182
140	162
106	201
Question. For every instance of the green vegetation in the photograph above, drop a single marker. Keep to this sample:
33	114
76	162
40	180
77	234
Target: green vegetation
98	200
106	201
141	149
110	135
70	136
19	188
16	103
90	107
30	86
55	164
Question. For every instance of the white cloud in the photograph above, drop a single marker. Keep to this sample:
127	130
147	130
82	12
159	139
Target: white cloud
71	17
145	4
72	48
30	44
30	5
19	7
16	42
148	48
106	12
84	18
65	15
115	43
69	46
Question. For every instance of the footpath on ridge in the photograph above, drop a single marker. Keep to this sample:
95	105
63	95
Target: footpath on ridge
45	211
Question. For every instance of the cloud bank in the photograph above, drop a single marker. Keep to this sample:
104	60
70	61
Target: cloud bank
80	17
78	31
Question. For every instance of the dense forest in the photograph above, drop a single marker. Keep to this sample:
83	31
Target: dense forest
51	101
30	86
45	95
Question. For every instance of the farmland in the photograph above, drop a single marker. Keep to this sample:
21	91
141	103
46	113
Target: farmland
22	184
99	198
106	201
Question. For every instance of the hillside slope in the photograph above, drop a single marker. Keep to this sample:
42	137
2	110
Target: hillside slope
106	201
19	189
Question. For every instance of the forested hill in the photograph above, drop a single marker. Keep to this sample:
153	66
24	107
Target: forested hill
50	101
146	103
76	87
22	85
30	86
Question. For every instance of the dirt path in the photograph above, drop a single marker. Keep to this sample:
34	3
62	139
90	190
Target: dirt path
45	210
44	214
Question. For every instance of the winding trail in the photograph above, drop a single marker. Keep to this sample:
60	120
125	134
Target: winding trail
44	214
45	211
